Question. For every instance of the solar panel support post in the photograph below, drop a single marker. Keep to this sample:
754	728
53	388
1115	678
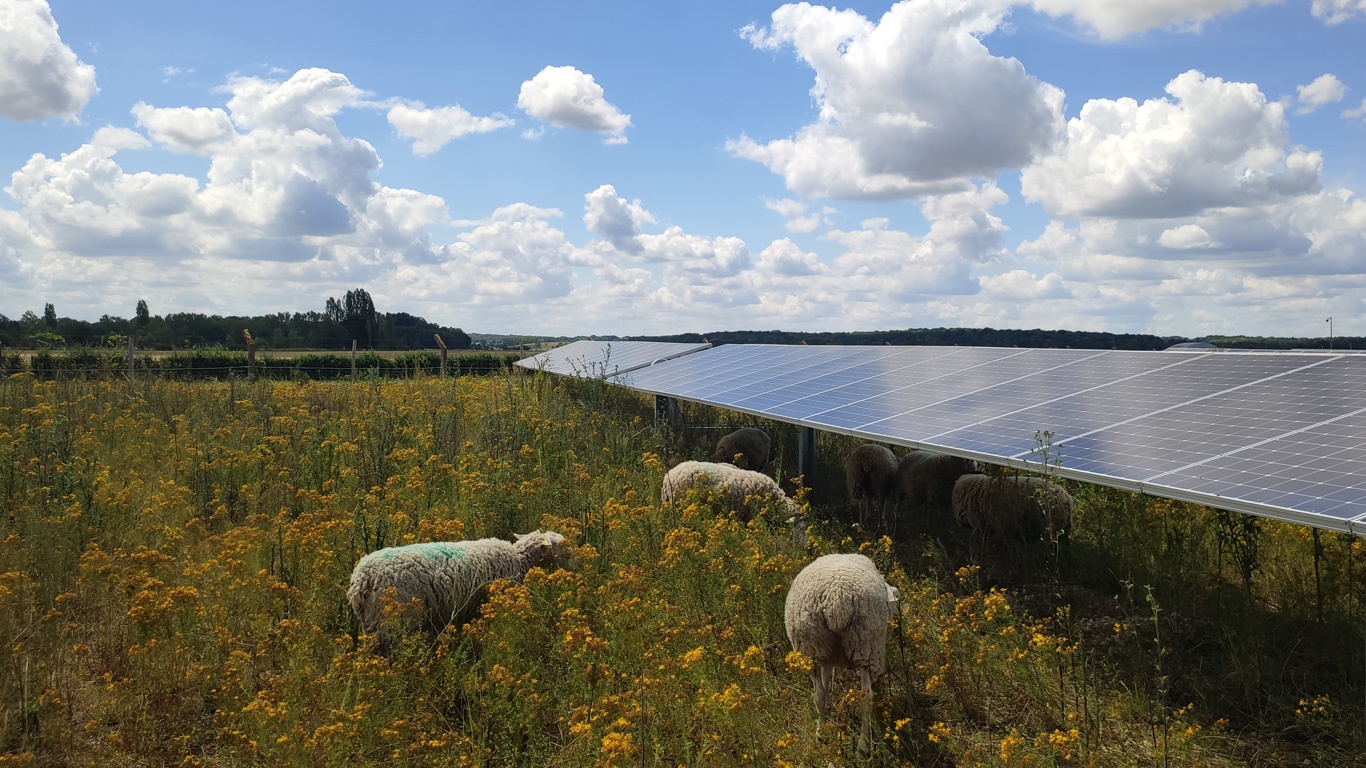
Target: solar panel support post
666	411
806	455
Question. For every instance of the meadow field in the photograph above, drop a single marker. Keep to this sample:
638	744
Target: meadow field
174	558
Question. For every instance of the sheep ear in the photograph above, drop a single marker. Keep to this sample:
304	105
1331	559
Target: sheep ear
519	536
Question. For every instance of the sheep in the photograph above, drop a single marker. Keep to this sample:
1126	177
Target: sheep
750	444
738	486
448	576
870	477
836	613
926	477
1027	508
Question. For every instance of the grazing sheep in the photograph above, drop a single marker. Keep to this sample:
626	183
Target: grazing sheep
1025	508
837	613
928	478
750	444
738	485
870	476
448	576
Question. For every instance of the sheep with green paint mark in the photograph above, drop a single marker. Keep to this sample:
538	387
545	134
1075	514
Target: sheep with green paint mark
442	582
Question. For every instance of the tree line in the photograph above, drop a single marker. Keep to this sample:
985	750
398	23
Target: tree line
352	317
1005	337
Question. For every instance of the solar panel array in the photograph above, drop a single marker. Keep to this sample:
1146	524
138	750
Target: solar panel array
1276	434
602	359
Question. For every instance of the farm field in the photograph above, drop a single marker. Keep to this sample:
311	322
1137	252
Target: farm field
174	559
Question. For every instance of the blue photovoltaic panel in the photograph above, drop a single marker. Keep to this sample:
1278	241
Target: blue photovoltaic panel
1277	434
601	359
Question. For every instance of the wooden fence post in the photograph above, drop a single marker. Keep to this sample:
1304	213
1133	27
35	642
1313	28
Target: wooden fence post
130	358
353	360
251	355
441	344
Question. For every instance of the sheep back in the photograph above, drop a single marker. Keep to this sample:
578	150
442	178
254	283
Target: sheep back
1024	507
929	478
751	443
737	484
837	612
448	577
870	473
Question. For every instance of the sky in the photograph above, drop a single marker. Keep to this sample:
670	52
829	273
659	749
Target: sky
1176	167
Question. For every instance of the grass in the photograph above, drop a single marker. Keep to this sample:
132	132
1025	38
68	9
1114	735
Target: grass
173	561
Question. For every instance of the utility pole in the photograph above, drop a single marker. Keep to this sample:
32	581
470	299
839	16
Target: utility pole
1330	331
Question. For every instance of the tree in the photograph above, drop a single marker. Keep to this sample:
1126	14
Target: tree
49	315
141	316
361	320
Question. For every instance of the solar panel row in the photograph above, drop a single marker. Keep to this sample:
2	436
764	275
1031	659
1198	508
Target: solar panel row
590	359
1277	434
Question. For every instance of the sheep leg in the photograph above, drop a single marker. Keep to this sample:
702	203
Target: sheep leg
820	683
866	706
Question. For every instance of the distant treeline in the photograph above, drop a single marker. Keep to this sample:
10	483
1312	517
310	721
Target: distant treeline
88	362
353	317
967	337
1272	342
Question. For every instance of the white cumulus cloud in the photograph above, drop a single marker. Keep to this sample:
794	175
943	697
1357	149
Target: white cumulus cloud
39	75
432	129
1325	89
616	220
1216	144
911	105
1114	19
566	96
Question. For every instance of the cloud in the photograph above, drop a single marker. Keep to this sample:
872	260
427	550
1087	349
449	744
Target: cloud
885	265
615	220
566	96
795	212
783	257
432	129
1358	112
1114	19
188	130
39	75
1338	11
1218	144
1019	285
912	105
287	207
1325	89
514	255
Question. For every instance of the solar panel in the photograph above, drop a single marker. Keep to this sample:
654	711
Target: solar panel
1277	434
601	359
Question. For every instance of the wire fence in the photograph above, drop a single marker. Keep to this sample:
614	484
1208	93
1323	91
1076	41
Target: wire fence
226	364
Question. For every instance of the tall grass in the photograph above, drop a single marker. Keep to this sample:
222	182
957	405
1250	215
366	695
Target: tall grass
173	561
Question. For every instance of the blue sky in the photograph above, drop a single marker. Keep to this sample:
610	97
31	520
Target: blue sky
1182	167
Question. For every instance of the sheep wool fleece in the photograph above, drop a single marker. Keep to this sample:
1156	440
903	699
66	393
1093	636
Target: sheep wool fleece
837	613
446	576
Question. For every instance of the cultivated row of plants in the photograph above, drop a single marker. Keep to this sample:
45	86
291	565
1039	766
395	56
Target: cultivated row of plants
173	561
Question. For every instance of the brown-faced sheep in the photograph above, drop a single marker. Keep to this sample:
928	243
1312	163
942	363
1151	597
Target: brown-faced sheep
747	448
927	478
870	478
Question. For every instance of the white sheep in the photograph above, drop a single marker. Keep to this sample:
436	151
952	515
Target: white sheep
837	613
1024	508
928	478
870	477
737	484
447	576
751	444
